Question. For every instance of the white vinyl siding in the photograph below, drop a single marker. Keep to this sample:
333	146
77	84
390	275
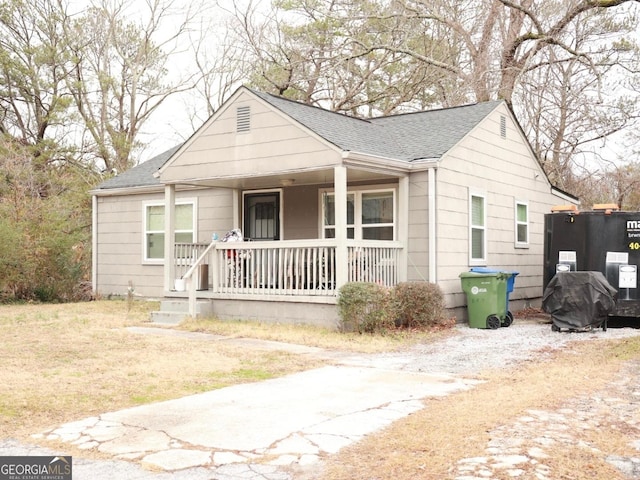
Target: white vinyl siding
522	224
477	229
268	143
154	228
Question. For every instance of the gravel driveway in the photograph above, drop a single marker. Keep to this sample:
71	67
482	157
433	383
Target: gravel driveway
472	350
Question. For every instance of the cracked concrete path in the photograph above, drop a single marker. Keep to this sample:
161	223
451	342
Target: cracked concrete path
289	420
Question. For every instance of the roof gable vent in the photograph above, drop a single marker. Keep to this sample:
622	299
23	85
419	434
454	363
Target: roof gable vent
243	119
503	126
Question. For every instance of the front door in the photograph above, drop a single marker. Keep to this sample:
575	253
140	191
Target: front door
262	216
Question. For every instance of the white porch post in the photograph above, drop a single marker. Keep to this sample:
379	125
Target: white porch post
169	236
340	189
403	227
237	214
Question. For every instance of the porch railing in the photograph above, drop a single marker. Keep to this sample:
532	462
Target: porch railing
187	255
293	267
276	268
372	262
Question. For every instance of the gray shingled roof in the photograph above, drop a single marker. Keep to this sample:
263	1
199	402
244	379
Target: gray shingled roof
433	133
347	133
141	175
411	136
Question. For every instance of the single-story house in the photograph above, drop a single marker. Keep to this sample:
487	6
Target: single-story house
321	199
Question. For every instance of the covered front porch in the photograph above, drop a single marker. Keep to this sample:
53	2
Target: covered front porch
308	271
284	268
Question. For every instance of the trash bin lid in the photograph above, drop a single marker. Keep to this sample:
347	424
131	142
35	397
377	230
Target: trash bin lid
496	274
492	270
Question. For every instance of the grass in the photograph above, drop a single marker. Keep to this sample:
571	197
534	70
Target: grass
314	336
66	362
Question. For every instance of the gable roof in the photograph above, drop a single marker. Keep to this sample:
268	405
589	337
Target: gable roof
405	137
411	136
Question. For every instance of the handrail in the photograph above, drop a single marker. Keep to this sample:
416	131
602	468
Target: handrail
188	278
199	260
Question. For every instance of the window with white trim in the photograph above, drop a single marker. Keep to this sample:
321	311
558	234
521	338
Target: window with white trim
370	214
154	227
477	228
522	224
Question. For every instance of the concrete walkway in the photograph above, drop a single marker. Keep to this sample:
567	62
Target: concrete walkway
250	431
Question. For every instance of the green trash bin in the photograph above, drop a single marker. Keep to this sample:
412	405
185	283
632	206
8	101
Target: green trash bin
486	298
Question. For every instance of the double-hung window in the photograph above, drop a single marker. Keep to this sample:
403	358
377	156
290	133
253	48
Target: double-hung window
522	224
154	227
370	214
477	228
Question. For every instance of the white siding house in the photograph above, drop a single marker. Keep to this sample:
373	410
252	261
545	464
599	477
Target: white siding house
324	199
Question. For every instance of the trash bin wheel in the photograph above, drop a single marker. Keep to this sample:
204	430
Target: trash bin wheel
555	328
508	320
493	322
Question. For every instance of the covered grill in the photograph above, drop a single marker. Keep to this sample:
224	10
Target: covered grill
579	301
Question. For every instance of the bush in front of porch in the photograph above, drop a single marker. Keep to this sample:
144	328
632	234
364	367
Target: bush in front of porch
372	308
420	305
365	308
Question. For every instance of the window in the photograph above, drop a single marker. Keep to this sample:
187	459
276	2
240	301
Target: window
522	224
377	215
154	228
329	210
477	236
370	214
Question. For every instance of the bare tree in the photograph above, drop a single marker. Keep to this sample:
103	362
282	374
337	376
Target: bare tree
119	74
33	98
222	63
556	63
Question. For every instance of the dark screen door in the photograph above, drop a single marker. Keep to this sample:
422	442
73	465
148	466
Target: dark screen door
262	216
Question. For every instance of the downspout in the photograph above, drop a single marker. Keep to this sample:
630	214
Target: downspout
433	225
94	245
169	237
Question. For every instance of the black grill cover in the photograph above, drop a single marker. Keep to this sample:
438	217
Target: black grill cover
578	300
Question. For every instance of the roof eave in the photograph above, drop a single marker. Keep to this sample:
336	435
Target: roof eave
564	195
386	164
139	190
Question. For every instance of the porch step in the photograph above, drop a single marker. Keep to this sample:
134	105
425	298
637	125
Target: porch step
174	311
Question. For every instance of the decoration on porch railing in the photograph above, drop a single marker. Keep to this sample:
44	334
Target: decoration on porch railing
234	235
234	264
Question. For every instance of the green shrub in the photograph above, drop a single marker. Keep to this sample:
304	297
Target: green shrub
419	305
365	308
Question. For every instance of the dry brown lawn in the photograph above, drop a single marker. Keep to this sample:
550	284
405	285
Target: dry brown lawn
65	362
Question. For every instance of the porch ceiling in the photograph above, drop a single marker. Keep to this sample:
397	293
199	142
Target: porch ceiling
289	179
